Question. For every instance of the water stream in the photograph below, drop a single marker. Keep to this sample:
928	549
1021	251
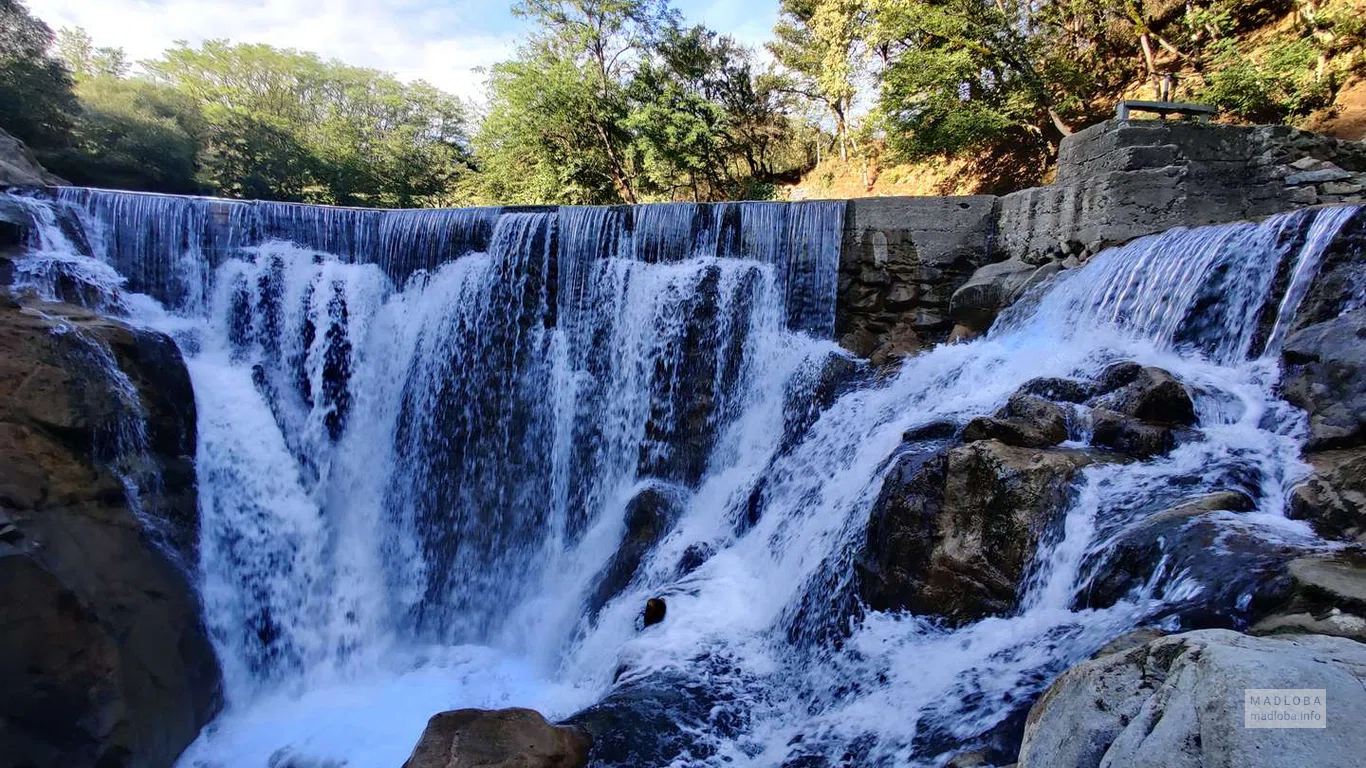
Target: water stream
421	434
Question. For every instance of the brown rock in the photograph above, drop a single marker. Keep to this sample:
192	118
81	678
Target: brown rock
504	738
655	609
1333	498
953	531
104	659
1026	421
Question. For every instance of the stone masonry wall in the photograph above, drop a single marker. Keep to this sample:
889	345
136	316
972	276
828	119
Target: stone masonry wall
900	262
919	271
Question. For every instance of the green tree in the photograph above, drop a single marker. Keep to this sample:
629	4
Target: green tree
538	142
586	51
614	101
133	134
346	135
36	99
705	125
821	44
966	75
250	158
78	52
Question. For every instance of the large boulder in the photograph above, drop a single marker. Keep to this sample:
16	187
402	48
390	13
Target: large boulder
503	738
1238	572
992	288
1178	702
953	531
19	168
1326	376
104	658
1333	498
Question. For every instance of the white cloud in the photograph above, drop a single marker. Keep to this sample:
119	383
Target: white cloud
441	42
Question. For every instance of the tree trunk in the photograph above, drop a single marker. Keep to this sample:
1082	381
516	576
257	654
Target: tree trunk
1145	42
623	183
842	131
1063	128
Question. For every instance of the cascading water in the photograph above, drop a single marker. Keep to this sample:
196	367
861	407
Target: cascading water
422	434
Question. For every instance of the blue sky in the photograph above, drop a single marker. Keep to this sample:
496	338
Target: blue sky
442	41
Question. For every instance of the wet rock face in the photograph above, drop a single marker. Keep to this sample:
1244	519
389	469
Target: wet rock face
1147	394
1059	390
1178	701
1333	498
1026	421
1239	574
650	514
504	738
13	224
955	528
658	719
103	656
1325	374
953	531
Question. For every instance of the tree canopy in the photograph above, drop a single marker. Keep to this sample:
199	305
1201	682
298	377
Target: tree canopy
611	101
36	99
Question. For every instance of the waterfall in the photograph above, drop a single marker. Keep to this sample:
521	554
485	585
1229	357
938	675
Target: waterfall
422	433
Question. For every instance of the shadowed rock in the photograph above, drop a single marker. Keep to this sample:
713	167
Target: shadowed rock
1326	376
1333	498
1149	394
649	515
1059	389
1129	435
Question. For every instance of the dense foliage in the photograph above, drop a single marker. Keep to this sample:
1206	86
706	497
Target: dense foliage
235	120
986	78
616	101
36	102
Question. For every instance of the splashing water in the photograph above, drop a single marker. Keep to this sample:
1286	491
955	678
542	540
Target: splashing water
421	434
